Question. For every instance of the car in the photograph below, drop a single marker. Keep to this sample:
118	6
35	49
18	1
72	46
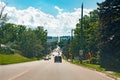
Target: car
58	59
46	58
49	57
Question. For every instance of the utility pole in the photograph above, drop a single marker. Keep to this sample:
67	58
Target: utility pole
72	30
81	29
81	35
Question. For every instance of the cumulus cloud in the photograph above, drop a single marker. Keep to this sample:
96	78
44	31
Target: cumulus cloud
2	4
59	9
58	25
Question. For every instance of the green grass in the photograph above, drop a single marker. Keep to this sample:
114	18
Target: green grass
13	58
115	74
95	67
92	66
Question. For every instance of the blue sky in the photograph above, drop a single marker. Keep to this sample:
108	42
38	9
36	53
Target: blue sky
47	6
58	17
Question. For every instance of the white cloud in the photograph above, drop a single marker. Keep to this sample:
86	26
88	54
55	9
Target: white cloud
2	4
59	9
61	24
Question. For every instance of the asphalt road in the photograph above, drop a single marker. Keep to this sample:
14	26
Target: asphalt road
48	70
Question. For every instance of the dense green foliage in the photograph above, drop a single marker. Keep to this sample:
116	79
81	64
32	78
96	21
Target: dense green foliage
51	46
64	45
20	39
109	12
100	36
17	38
29	42
90	35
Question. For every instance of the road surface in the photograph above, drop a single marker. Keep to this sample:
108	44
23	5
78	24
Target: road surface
48	70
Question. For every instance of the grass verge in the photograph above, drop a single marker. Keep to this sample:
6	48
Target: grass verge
115	74
91	66
95	67
13	58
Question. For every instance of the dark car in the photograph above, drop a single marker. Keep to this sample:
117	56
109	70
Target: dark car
58	59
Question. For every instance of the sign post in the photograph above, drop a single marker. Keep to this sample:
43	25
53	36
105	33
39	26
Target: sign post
81	54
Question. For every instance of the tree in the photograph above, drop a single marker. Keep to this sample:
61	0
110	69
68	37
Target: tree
41	35
75	42
28	42
3	19
109	13
29	45
65	50
90	35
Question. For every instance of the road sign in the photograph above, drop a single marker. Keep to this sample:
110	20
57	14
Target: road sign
81	52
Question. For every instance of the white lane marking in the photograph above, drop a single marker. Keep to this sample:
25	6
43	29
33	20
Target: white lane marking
18	75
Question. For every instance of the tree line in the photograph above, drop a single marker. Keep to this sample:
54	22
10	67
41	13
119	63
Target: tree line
29	42
20	39
100	36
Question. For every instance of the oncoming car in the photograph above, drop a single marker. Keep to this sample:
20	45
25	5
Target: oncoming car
58	59
47	58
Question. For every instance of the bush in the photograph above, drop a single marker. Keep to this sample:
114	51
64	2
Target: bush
6	50
94	60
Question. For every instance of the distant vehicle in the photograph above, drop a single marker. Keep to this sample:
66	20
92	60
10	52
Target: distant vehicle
46	58
49	57
57	59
